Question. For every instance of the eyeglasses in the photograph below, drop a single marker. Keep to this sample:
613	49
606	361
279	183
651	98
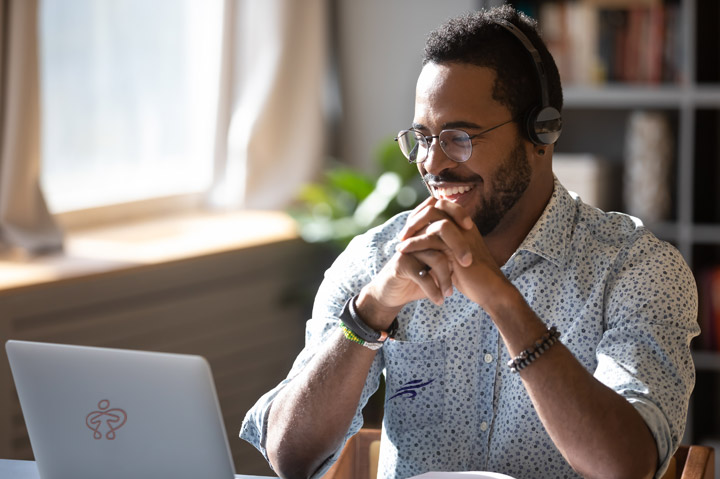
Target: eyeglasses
456	144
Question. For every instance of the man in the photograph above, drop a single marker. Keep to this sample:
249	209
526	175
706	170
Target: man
500	259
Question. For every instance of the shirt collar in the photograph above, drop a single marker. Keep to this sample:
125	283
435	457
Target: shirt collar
551	233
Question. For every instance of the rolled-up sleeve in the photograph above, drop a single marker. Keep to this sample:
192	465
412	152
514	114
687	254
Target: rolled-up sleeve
644	354
352	270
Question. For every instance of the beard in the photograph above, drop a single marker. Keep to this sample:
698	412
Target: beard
508	185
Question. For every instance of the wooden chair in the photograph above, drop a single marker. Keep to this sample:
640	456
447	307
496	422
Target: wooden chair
692	462
359	460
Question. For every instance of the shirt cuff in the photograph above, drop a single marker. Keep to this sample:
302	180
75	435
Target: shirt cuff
254	426
658	425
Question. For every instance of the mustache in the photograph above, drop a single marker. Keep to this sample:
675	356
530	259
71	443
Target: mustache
449	177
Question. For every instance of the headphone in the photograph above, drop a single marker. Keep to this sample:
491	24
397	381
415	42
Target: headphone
543	123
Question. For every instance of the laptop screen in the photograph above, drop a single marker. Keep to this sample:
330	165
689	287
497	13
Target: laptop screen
99	412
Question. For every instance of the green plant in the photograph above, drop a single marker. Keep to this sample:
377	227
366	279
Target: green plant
347	202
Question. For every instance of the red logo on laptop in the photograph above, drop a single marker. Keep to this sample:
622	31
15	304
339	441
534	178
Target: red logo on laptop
112	419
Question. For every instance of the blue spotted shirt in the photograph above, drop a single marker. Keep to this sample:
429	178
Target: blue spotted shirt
624	301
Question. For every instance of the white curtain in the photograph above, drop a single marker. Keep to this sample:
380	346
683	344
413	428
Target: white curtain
25	222
271	123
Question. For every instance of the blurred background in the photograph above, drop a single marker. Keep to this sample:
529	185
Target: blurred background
176	175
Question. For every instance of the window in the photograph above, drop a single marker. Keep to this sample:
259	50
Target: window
129	94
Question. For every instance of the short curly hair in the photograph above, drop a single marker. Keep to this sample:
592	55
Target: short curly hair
477	39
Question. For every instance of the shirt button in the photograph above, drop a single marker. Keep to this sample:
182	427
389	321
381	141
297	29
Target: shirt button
488	358
483	426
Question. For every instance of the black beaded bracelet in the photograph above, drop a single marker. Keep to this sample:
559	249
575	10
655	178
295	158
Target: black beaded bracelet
525	358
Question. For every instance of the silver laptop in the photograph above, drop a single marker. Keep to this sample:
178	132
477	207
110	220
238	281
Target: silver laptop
118	414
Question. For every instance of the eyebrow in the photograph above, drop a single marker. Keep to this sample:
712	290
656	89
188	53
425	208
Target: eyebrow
450	125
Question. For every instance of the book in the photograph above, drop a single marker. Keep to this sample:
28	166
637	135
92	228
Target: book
709	309
715	305
595	42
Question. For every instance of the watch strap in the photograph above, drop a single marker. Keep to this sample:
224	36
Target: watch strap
352	320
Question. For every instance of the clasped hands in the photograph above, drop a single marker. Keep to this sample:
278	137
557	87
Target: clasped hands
440	248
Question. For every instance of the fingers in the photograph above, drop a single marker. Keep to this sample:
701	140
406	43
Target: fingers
431	211
434	239
457	213
419	210
431	272
442	236
435	276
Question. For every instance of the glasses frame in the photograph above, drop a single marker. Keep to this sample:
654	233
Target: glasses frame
428	139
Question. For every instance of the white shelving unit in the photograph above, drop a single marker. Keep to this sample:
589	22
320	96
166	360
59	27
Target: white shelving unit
601	111
683	101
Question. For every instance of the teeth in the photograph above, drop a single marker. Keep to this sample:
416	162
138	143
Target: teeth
451	191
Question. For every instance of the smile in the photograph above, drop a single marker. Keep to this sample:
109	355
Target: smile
450	192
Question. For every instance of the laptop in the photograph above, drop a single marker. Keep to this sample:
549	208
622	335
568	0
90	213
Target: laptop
119	414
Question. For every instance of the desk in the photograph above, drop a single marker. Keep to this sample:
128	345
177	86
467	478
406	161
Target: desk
11	469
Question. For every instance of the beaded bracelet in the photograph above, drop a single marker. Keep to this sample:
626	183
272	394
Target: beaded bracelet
525	358
354	338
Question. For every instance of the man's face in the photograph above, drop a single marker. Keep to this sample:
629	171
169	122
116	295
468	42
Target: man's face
494	179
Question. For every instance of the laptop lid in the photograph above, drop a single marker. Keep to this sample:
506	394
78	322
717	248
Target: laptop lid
112	413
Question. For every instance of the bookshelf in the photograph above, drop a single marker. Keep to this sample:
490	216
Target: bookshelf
682	102
596	113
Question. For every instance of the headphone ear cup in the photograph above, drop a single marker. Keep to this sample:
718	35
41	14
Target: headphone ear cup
544	125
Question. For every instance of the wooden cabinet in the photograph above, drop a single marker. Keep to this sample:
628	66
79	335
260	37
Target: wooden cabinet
244	310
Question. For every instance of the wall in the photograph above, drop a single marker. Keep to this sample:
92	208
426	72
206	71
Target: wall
379	45
244	310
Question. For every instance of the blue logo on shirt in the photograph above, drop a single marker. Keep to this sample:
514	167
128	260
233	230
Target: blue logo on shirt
410	388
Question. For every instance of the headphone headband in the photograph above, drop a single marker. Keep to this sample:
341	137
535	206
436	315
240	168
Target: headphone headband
537	60
544	123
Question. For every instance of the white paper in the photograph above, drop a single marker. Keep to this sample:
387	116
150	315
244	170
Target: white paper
463	475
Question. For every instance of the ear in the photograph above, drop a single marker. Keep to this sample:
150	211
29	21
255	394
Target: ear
541	157
543	151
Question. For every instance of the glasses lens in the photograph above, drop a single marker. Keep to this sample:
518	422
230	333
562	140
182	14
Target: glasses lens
412	144
456	144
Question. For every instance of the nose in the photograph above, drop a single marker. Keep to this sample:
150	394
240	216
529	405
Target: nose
437	160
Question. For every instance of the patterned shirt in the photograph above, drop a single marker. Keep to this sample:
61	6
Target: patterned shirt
624	301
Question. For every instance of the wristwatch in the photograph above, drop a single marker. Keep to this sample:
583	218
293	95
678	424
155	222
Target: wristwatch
355	323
